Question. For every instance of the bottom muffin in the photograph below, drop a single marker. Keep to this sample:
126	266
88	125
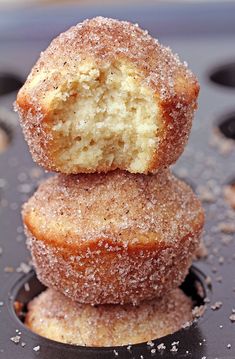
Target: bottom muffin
54	316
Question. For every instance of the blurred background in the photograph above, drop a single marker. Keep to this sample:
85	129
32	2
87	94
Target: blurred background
14	3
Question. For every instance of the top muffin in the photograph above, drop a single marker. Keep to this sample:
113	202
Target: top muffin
105	95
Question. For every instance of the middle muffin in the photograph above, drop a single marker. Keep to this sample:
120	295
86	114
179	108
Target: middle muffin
114	237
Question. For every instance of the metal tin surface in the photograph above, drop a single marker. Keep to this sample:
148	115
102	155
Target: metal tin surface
204	36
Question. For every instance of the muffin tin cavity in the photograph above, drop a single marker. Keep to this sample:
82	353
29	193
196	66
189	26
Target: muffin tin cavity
28	287
227	126
24	290
195	287
224	75
9	83
6	134
229	193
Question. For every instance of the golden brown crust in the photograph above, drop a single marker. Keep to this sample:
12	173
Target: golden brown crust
105	41
56	317
115	237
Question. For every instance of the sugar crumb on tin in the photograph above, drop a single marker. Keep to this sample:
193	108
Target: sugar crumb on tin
174	349
217	305
36	348
16	339
232	318
161	346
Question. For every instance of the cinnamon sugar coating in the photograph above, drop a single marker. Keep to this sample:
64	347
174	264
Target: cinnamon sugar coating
115	237
56	317
99	73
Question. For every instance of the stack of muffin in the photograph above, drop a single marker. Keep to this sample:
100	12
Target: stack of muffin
113	235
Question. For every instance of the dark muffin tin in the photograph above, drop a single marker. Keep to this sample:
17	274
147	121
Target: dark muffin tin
203	35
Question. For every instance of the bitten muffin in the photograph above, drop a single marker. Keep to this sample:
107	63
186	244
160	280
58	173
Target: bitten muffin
115	237
56	317
105	95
